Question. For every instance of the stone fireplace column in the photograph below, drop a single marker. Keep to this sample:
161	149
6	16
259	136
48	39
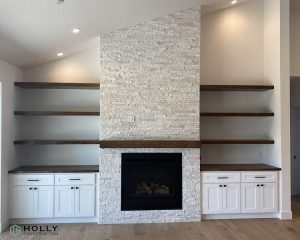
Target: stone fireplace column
150	90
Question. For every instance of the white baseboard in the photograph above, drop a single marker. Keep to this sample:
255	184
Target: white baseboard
287	215
240	216
52	220
4	226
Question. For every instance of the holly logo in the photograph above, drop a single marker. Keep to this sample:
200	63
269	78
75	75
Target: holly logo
15	230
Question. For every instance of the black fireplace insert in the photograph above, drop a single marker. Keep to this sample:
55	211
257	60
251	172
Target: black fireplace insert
151	181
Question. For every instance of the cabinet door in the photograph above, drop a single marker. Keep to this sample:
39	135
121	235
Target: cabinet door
43	201
212	199
268	198
232	198
250	198
85	201
23	203
64	201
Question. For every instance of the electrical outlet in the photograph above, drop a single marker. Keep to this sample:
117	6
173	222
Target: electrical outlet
131	119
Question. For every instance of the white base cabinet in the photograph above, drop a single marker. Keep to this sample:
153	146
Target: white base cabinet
64	201
52	195
239	192
259	198
75	201
231	198
32	202
221	198
221	193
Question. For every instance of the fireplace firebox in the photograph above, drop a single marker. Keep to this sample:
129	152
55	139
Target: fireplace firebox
151	181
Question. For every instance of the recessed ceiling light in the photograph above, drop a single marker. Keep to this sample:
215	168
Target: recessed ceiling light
234	2
60	54
76	30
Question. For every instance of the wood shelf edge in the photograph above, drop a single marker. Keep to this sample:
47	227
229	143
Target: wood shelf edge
55	113
56	85
236	87
237	141
149	144
236	114
238	167
57	142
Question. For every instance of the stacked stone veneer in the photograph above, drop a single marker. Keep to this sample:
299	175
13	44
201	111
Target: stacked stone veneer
150	77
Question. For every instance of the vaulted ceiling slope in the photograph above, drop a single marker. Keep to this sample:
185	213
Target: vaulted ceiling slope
33	31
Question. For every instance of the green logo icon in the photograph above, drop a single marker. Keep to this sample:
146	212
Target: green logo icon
15	230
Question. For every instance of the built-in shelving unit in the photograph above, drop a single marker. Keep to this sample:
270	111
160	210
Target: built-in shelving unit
52	85
56	113
56	103
234	107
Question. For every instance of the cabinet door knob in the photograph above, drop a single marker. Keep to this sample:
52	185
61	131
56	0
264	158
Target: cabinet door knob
30	188
258	185
262	185
221	185
35	188
77	187
72	187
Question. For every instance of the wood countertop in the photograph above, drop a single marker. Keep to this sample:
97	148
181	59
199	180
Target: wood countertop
238	167
56	169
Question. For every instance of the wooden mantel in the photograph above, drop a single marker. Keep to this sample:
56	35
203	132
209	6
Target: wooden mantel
149	144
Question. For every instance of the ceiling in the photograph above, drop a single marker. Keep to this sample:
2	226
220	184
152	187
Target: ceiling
32	32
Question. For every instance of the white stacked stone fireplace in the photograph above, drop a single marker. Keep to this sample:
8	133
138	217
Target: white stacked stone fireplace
150	77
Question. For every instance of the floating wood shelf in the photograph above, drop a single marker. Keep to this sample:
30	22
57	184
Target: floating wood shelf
236	87
238	167
56	85
232	114
55	142
149	144
237	141
55	113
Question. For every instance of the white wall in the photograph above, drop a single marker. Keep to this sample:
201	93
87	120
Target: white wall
8	75
277	70
232	45
81	67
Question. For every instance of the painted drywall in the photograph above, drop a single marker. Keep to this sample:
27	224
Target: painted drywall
277	70
294	41
8	75
82	67
232	45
